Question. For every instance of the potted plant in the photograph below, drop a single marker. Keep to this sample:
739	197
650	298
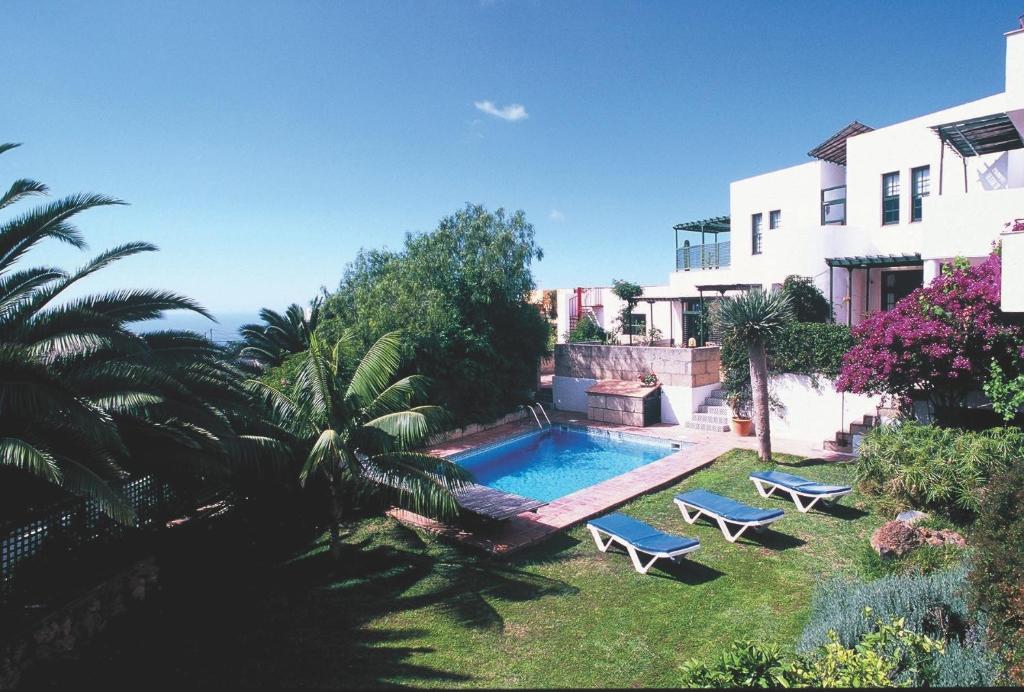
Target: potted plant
740	422
648	380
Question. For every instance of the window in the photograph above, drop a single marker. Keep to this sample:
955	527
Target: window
775	218
833	206
637	325
890	198
755	234
920	183
898	285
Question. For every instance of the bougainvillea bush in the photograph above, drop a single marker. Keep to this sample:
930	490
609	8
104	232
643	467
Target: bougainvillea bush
941	339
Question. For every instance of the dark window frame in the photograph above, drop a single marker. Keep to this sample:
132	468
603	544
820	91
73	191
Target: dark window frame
916	196
890	198
827	205
756	231
636	319
774	219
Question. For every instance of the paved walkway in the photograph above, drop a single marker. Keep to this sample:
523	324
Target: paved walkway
532	527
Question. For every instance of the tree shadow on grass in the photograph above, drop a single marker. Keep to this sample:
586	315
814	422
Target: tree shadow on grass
814	461
225	618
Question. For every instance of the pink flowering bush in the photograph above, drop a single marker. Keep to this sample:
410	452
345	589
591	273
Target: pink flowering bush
941	339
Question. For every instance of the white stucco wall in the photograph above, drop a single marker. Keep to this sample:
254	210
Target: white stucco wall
570	393
815	414
678	404
1013	272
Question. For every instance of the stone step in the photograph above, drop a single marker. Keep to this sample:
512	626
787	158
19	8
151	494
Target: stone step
859	428
706	427
712	418
833	446
717	410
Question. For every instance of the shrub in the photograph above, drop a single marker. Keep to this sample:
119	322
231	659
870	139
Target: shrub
888	655
803	348
809	303
935	605
940	339
743	664
997	580
927	466
587	330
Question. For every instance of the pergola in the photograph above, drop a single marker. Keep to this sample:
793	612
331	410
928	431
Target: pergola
867	262
985	134
833	149
721	290
714	225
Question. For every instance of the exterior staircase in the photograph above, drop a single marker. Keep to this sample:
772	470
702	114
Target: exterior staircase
712	415
843	441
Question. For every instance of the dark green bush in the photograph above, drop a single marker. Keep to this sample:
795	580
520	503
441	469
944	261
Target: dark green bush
943	469
936	605
587	330
802	348
809	303
998	577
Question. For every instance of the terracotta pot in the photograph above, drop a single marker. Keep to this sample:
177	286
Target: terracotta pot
741	426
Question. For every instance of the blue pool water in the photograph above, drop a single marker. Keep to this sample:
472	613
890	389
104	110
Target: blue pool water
549	464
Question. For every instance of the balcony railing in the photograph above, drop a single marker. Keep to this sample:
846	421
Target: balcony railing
707	256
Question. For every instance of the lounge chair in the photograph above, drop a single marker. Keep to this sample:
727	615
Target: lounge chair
637	537
728	513
799	489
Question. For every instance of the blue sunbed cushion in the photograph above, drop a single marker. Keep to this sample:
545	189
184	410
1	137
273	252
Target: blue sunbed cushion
644	536
797	483
727	508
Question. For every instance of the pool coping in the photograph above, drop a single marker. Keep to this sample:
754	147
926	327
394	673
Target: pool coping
530	528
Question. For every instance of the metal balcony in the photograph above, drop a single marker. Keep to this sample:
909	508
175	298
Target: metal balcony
707	256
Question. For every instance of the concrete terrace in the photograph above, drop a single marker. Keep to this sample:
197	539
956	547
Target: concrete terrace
529	528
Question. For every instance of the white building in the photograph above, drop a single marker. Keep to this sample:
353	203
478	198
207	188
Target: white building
871	217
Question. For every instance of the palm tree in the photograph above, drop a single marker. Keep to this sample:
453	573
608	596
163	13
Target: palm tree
280	335
361	427
754	318
83	398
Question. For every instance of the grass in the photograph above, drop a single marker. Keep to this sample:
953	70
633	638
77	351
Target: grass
405	609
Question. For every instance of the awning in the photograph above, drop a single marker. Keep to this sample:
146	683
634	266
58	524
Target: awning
716	225
833	149
985	134
872	261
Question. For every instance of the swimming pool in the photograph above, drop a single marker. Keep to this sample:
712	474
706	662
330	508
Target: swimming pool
547	464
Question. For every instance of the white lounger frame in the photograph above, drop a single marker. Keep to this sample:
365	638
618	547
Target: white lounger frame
796	495
633	550
723	523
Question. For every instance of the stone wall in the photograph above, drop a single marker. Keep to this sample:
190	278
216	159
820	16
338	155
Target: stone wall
474	428
685	367
625	410
61	631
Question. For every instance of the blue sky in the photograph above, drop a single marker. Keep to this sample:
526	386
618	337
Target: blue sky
260	144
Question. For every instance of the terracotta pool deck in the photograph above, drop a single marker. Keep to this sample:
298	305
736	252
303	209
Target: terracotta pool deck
530	528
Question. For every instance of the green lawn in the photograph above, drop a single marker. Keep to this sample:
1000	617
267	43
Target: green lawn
405	609
564	614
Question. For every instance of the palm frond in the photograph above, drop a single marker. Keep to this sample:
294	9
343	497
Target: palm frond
410	428
20	189
22	455
377	368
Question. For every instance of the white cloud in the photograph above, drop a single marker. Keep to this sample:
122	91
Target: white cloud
556	215
511	112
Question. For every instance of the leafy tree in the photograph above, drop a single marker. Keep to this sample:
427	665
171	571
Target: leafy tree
83	398
280	335
1005	393
940	339
809	303
755	318
630	294
359	427
460	295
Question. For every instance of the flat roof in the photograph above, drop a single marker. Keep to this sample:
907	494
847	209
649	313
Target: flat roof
833	149
716	224
870	261
986	134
